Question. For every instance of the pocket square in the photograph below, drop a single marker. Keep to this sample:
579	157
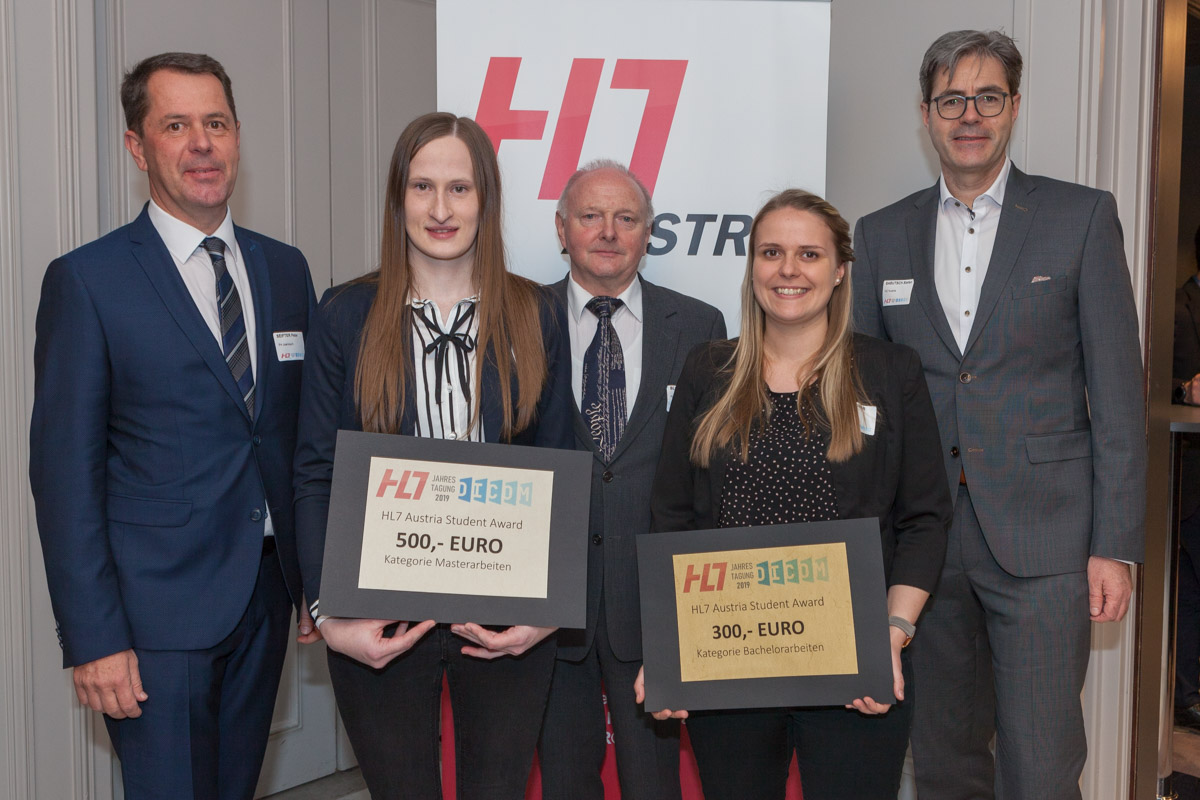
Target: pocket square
1040	278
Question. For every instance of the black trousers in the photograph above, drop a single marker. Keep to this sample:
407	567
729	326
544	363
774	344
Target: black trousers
745	754
1187	620
392	716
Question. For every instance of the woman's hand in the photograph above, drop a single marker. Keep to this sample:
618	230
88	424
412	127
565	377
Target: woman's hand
363	639
639	696
868	706
493	644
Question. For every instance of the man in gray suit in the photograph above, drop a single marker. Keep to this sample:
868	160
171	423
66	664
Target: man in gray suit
629	339
1013	288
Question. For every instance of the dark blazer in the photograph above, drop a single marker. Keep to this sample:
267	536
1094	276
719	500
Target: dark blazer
1044	409
897	477
148	475
672	324
327	404
1186	365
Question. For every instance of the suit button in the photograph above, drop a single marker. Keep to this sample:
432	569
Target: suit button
607	476
257	439
255	515
965	377
954	452
597	538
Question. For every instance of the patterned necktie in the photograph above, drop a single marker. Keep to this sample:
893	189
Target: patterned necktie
604	379
233	327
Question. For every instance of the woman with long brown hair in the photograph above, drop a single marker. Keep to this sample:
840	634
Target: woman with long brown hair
801	420
441	341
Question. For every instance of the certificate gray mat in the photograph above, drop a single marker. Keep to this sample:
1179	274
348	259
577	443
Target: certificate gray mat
467	556
740	638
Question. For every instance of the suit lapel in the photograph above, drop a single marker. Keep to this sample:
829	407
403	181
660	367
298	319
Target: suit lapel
660	337
922	229
1015	219
151	254
260	289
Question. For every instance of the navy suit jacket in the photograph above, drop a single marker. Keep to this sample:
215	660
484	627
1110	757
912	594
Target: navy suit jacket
327	404
150	479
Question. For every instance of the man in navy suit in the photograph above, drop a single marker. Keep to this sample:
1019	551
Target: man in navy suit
167	368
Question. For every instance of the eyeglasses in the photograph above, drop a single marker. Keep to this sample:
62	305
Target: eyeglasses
953	106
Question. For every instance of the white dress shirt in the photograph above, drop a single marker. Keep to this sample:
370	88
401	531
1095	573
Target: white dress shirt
185	244
962	250
450	418
626	321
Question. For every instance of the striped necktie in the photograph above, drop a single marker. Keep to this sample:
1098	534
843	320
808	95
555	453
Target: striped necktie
233	327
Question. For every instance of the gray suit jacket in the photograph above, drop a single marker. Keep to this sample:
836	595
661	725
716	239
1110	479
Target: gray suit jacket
1044	410
672	324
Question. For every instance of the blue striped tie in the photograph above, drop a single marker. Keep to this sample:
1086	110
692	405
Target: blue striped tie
233	327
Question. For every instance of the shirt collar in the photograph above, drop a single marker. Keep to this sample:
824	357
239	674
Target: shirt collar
182	239
578	297
995	192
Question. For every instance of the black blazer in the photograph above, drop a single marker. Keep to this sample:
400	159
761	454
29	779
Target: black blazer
327	405
1186	365
898	477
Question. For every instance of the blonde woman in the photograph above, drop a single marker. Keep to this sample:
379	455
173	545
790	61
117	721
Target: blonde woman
801	420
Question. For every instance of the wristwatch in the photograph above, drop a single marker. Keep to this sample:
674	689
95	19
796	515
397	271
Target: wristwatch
906	627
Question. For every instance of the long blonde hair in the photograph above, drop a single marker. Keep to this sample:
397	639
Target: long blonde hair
743	407
509	331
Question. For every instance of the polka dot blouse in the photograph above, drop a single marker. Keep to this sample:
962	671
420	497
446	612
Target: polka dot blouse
786	477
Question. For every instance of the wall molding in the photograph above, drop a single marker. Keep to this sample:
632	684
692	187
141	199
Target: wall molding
16	707
373	172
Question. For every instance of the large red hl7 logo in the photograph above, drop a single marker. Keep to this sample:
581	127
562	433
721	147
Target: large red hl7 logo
662	79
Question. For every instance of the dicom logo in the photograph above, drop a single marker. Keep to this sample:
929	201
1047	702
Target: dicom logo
711	577
496	492
405	489
792	571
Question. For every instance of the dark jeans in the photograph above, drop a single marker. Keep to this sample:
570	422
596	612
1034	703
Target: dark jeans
392	716
841	753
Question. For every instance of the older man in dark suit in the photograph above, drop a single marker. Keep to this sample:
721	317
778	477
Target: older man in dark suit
629	339
1014	290
167	371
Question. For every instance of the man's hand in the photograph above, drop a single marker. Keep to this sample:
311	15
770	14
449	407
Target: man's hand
1109	587
639	697
493	644
308	630
363	639
111	685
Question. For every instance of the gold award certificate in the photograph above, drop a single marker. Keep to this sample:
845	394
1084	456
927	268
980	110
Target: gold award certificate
765	613
456	529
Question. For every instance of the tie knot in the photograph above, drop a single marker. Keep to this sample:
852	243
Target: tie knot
603	306
214	246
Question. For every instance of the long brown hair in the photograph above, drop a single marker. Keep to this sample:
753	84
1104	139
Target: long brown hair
743	407
510	335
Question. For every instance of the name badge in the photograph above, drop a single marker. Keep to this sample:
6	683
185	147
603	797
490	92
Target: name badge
289	345
866	418
670	395
897	293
